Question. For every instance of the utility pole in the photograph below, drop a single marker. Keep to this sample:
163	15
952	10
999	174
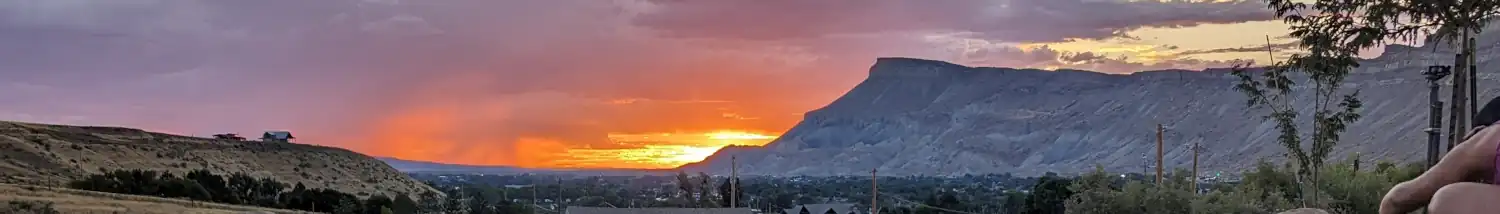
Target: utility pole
1196	149
1434	129
734	176
1159	130
874	192
1356	162
534	196
559	196
1145	164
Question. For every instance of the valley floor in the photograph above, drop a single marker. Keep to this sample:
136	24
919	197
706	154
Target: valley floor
81	201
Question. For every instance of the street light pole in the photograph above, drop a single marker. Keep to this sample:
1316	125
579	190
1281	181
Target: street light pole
1434	130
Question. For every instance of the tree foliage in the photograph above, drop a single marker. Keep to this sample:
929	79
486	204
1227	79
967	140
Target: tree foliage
240	189
1263	189
1048	195
28	207
1331	33
725	190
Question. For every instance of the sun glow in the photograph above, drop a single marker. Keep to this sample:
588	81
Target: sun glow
667	150
737	135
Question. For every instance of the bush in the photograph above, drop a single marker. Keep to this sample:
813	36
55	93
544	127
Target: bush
1266	189
28	207
1097	193
239	189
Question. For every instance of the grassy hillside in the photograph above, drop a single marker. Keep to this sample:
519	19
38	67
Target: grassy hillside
80	201
52	155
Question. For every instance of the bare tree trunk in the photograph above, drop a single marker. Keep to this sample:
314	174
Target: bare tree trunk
1458	121
1473	76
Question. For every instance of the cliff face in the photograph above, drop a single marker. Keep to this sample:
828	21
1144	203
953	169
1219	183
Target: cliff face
52	155
913	116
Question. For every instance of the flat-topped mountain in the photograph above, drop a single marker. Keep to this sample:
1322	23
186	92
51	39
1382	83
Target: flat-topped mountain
925	117
52	155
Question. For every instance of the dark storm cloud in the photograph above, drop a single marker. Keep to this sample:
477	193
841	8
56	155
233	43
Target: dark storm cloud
1006	20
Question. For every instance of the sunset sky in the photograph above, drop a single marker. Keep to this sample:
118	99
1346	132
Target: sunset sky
550	83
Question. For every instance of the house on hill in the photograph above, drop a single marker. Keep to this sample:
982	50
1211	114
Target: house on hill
823	209
277	136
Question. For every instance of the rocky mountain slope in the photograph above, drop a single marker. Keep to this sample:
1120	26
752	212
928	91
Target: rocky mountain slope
52	155
924	117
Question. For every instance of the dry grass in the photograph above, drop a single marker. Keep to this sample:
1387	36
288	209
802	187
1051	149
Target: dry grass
52	155
80	201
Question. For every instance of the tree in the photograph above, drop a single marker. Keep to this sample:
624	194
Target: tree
1014	201
229	136
1453	21
1332	37
686	184
454	203
377	203
705	198
724	193
347	206
404	205
1048	195
430	203
215	185
265	192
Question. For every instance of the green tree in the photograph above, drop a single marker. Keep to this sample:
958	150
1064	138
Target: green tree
1014	201
347	206
430	202
1453	21
1048	195
724	193
404	205
705	193
1332	41
454	203
688	187
376	203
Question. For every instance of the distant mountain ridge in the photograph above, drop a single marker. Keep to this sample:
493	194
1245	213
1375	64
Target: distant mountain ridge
414	166
425	166
925	117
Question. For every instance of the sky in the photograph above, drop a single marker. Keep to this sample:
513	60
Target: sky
552	83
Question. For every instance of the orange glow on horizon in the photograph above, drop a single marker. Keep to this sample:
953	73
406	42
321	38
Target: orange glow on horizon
631	150
669	150
443	123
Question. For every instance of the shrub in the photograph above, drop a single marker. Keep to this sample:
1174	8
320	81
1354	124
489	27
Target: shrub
28	207
240	189
1265	189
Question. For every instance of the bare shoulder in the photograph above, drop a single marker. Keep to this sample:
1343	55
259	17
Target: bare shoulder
1477	154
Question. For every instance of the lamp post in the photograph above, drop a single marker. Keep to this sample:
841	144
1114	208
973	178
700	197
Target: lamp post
1434	130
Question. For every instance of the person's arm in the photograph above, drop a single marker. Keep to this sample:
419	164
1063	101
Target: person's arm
1473	155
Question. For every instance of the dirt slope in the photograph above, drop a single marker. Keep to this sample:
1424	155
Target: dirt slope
52	155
